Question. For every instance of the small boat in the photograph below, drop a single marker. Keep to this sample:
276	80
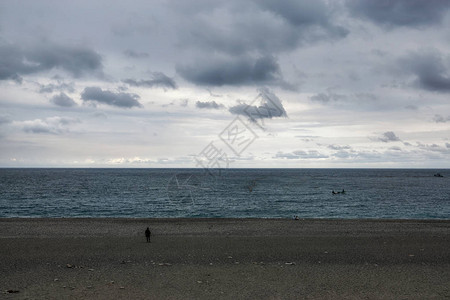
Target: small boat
335	193
438	175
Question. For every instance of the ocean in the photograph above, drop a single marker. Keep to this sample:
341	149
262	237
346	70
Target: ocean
229	193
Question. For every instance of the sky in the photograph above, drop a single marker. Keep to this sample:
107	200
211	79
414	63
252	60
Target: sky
229	84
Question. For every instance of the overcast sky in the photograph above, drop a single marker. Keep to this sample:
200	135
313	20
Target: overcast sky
235	83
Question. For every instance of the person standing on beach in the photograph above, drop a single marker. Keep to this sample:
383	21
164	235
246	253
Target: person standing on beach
147	235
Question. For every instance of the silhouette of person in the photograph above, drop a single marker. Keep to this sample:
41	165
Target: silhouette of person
147	235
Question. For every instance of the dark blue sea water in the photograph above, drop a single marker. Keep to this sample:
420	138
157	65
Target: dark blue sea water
242	193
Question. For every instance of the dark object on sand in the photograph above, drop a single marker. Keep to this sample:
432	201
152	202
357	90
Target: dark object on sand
438	175
147	235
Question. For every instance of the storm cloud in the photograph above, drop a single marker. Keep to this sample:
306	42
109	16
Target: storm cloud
16	61
230	71
306	15
430	69
242	27
63	100
158	80
97	95
401	12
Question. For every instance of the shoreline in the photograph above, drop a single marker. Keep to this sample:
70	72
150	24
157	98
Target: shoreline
57	227
222	218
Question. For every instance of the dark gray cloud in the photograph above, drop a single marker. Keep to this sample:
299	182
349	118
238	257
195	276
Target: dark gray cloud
307	16
16	61
11	63
266	106
389	136
158	80
400	12
52	125
233	71
134	54
430	69
97	95
261	26
76	60
301	154
208	105
5	119
298	13
441	119
63	100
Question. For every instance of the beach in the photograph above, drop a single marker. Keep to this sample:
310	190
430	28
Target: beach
109	258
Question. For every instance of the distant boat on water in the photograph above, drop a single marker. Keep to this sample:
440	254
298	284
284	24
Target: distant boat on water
438	175
335	193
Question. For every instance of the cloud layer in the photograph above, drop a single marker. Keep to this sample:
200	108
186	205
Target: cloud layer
266	106
16	61
322	83
401	12
51	125
62	100
158	80
389	136
232	71
97	95
208	105
430	68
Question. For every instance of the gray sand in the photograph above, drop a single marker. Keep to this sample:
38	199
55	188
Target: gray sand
224	258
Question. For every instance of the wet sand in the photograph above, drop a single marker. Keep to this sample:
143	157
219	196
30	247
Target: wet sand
224	259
